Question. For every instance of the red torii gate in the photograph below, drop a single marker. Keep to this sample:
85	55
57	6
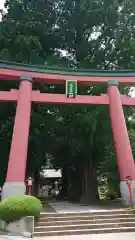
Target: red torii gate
27	75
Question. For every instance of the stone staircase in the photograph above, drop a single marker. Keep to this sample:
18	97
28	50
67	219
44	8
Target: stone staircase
111	221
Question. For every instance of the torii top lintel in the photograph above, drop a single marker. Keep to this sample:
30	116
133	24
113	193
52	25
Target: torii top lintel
43	74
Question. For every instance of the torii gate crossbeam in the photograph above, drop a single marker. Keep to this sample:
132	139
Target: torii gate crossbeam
37	97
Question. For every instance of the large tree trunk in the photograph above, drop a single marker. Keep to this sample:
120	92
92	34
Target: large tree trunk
89	183
36	181
74	190
64	190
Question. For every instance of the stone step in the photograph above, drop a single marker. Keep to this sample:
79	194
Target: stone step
84	231
112	212
86	221
84	226
94	222
50	217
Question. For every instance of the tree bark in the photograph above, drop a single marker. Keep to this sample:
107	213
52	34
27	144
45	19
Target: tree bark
36	181
89	183
74	190
63	192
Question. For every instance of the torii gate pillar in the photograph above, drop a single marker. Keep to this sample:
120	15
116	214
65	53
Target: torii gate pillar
15	179
125	159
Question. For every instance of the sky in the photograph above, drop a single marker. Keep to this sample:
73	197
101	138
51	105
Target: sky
2	3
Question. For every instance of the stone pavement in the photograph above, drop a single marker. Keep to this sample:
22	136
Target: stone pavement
109	236
120	236
68	207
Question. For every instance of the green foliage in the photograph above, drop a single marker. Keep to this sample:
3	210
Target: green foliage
17	207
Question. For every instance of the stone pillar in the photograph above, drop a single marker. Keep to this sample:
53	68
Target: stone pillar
124	155
15	179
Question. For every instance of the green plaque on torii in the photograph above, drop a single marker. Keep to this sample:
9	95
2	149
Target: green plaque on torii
71	88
